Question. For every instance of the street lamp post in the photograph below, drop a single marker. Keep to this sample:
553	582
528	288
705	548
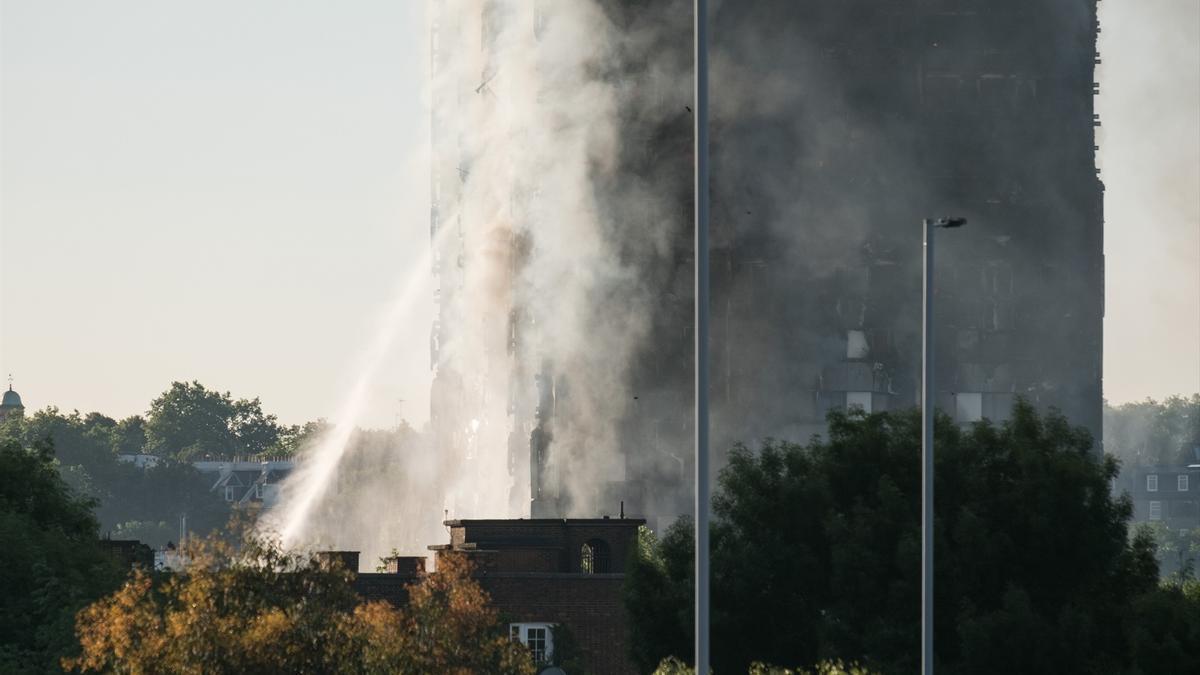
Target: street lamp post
927	394
700	17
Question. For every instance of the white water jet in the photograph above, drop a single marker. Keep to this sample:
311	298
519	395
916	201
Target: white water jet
312	478
537	284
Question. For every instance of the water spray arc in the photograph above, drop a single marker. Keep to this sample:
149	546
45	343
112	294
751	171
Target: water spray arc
314	475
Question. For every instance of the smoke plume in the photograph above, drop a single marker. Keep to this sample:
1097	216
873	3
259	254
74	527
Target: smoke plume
561	220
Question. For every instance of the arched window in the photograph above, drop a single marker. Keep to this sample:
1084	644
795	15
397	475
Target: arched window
594	557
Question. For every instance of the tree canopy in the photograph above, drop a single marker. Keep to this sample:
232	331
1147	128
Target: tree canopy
126	497
51	562
1147	433
816	555
258	609
189	421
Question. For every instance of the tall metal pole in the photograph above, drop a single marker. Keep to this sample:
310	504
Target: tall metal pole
702	489
927	455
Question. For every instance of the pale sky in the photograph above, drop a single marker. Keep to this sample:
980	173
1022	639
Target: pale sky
226	191
231	191
1150	157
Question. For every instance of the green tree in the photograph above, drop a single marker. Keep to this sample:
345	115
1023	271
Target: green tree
297	437
816	552
191	422
1164	629
86	449
658	595
1178	550
129	436
1150	432
254	431
51	562
86	441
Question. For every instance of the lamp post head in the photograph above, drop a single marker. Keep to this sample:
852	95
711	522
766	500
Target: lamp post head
949	223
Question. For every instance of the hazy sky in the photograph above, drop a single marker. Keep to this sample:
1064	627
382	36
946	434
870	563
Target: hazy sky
231	191
1150	158
219	190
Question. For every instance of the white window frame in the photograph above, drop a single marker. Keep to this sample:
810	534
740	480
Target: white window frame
228	493
1181	482
521	632
1151	482
1155	511
258	490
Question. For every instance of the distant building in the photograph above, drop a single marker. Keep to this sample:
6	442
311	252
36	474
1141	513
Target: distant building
129	552
540	574
245	482
170	559
139	460
11	406
1168	494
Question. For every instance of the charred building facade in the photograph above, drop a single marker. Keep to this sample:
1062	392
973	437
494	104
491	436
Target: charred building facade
836	128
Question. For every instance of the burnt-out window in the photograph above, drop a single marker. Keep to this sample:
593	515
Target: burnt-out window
594	557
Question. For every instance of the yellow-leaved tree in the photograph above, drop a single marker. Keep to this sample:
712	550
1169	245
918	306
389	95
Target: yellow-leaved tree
259	609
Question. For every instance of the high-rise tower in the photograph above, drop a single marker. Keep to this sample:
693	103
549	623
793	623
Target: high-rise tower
837	127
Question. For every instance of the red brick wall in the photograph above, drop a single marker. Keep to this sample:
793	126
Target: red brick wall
621	541
569	536
529	560
590	605
531	570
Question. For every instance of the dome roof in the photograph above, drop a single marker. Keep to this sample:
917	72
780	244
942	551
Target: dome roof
11	399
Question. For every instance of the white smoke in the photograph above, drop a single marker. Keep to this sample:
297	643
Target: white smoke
535	119
526	118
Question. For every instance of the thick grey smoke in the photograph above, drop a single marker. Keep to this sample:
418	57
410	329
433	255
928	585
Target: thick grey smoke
540	248
561	195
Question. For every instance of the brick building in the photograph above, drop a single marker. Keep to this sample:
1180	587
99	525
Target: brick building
129	552
243	481
1168	494
540	574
